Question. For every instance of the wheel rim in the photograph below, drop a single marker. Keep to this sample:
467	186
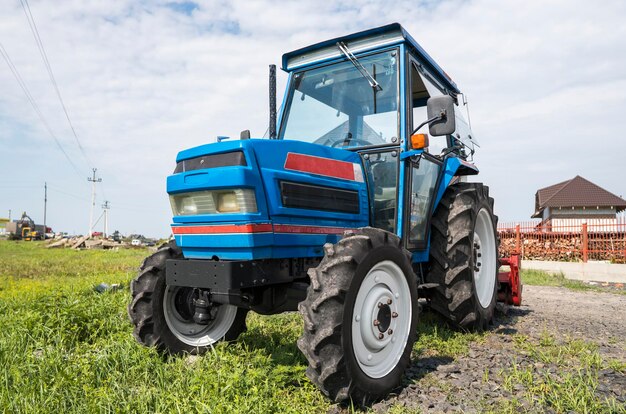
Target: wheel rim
181	322
484	258
381	319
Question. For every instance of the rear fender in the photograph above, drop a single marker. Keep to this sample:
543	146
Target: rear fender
453	167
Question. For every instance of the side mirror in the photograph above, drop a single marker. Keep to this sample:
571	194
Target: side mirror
441	107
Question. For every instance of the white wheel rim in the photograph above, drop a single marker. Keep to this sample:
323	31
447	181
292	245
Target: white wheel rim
192	333
378	350
484	258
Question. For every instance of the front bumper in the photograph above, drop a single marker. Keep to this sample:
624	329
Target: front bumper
223	276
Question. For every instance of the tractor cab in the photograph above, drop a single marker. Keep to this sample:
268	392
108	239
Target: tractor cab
368	93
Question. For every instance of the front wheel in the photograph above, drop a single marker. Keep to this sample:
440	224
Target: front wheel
163	315
360	317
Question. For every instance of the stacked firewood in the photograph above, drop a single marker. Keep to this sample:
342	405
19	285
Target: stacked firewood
565	246
538	247
83	242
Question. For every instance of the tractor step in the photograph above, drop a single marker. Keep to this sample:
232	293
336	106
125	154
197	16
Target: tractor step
426	286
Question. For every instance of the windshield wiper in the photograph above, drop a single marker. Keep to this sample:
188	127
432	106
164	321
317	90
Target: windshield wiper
347	53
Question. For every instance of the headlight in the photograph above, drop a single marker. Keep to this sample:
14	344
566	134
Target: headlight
227	202
238	200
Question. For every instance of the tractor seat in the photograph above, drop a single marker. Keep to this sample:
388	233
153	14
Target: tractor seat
384	174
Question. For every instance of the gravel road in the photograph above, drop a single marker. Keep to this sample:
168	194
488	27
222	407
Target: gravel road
474	383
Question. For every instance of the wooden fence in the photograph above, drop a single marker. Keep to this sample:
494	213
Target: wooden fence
566	240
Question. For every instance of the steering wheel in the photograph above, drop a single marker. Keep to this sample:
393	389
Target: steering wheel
350	140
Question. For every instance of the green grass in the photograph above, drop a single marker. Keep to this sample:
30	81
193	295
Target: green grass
541	278
65	348
571	386
437	340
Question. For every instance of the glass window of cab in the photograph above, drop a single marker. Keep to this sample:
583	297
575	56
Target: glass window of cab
335	105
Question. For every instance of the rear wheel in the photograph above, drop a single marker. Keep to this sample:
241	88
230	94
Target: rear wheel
163	315
463	256
360	317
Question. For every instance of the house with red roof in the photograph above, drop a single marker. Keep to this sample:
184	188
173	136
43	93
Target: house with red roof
576	201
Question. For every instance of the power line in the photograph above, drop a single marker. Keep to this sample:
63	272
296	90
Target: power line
44	56
66	193
130	205
138	210
118	206
17	186
102	188
17	181
32	101
98	221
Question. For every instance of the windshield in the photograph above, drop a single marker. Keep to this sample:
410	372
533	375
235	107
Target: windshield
335	105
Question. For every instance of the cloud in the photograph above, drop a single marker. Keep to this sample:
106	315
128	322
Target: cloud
143	80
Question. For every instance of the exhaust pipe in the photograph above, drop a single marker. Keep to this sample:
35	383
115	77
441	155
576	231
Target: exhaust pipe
272	129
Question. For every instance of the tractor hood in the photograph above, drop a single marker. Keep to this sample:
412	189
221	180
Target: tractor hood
265	198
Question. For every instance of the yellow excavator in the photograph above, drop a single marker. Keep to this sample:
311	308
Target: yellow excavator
25	229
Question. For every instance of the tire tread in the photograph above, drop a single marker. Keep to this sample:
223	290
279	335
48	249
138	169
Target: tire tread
451	262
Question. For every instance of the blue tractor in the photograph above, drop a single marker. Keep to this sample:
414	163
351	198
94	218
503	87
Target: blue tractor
348	213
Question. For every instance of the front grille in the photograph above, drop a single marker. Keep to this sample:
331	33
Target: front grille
227	159
313	197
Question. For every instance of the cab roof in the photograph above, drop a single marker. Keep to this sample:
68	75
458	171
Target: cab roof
365	41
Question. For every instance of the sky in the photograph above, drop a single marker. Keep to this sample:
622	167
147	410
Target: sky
142	80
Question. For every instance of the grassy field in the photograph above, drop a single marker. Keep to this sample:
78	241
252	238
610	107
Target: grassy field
66	348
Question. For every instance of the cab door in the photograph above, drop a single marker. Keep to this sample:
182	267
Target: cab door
424	170
423	177
381	169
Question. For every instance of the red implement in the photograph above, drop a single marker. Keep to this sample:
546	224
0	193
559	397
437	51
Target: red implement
510	291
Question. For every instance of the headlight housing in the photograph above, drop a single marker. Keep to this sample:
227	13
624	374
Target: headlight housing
237	200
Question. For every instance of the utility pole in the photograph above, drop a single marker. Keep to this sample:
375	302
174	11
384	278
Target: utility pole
9	215
45	207
93	181
106	208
